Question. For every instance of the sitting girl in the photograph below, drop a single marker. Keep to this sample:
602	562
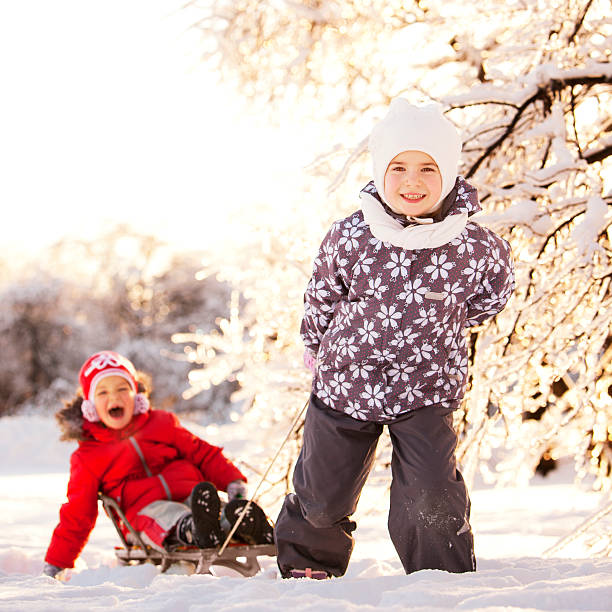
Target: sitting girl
164	478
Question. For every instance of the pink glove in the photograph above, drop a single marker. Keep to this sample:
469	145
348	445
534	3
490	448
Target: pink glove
310	361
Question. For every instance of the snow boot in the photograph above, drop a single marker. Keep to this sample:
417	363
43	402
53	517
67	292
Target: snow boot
202	526
254	527
183	534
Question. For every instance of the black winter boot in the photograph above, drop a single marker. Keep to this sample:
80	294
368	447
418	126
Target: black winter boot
183	535
254	527
204	526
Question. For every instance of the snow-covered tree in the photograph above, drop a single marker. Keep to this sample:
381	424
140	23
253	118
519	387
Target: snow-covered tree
37	331
529	82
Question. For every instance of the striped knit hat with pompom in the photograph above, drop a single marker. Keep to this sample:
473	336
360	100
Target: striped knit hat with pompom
99	366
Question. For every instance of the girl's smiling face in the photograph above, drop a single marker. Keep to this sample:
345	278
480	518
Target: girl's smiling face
114	400
413	183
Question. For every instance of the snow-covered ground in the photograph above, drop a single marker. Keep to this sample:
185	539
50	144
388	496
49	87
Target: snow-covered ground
512	529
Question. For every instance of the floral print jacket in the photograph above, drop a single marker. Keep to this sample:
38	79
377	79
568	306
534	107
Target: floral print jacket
387	324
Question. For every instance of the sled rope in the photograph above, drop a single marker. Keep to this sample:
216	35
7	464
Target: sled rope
563	542
262	479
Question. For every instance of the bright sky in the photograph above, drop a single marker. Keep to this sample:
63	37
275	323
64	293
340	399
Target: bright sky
108	115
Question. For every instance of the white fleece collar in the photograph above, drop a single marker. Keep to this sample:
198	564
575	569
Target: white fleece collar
422	236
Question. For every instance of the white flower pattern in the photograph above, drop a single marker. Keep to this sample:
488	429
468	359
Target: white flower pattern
399	263
413	291
390	316
440	266
374	395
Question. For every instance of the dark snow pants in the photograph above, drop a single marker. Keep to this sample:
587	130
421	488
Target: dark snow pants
429	511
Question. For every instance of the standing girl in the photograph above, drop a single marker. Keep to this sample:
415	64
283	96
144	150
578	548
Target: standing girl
394	288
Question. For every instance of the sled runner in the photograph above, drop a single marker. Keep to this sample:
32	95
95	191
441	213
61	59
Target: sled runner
237	556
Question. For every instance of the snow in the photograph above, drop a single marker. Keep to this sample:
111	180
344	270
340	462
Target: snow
527	85
513	527
595	221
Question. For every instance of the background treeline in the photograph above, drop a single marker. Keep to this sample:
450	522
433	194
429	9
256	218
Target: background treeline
124	291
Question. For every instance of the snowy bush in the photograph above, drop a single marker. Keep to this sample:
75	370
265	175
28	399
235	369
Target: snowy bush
38	336
126	292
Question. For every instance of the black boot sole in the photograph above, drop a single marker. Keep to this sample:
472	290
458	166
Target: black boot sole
254	527
206	510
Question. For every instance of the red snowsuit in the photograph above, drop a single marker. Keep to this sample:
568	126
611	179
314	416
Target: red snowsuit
153	458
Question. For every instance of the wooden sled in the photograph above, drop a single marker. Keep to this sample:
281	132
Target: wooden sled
237	556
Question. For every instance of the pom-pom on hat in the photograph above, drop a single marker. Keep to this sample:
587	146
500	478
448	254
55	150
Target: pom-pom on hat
99	366
407	127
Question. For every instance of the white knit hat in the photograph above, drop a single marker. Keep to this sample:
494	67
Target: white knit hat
407	127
